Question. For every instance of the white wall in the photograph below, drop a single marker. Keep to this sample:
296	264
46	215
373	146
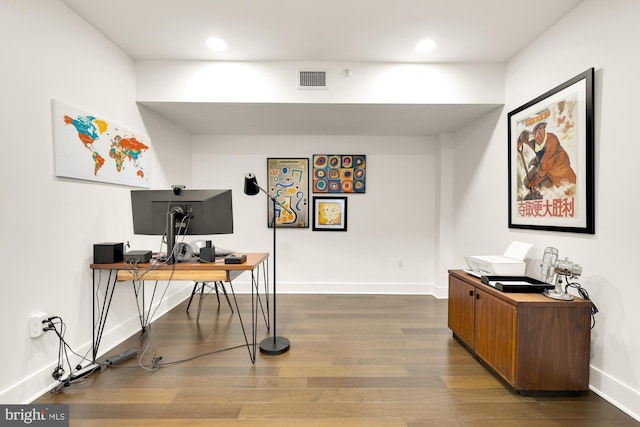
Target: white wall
51	224
390	243
601	35
210	81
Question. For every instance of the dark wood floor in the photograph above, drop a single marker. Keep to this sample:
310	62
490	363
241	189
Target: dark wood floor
355	360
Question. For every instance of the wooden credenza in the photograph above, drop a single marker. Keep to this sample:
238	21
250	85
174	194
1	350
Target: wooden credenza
534	343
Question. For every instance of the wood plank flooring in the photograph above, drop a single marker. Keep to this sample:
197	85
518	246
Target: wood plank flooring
355	360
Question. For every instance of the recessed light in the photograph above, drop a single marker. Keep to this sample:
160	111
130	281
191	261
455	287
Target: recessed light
425	46
217	44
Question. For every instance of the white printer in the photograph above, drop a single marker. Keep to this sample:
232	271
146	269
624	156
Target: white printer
511	263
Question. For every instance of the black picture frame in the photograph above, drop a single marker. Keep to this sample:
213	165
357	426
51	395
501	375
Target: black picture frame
551	181
329	213
288	183
339	173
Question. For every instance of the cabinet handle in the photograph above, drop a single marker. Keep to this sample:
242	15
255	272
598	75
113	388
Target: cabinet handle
470	293
477	296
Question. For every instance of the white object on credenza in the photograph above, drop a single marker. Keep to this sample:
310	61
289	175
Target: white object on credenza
511	263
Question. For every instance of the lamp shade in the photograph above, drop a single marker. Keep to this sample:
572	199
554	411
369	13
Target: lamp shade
251	185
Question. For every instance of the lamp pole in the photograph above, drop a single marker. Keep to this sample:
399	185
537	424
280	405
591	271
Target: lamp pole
271	345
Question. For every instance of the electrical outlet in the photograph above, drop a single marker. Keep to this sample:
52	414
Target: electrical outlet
35	324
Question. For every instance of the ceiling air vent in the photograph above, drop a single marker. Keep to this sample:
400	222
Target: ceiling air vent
312	79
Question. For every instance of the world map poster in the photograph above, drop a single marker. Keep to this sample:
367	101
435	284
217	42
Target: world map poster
91	148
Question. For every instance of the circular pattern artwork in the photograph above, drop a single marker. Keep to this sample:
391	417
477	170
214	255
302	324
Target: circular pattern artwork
333	173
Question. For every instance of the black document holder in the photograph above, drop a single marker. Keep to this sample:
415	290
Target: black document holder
516	284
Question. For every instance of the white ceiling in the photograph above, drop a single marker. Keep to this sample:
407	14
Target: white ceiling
467	31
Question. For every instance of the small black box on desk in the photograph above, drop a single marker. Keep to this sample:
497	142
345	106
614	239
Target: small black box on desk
235	259
107	253
138	256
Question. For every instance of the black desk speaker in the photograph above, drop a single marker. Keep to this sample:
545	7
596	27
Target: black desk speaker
208	254
108	253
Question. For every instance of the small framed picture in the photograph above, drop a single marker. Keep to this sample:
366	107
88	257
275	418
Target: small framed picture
329	214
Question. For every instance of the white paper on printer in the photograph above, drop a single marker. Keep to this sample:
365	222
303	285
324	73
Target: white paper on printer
517	250
510	264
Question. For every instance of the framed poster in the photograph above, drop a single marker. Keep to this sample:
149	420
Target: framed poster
551	159
288	183
329	213
338	173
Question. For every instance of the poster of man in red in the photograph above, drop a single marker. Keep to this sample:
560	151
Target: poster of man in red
545	149
551	159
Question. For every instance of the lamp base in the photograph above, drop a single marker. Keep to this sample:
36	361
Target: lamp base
274	345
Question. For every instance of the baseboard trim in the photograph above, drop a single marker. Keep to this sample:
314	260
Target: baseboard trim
352	288
613	391
357	288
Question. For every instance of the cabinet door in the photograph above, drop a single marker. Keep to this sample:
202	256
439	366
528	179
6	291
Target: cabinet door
553	347
495	335
461	309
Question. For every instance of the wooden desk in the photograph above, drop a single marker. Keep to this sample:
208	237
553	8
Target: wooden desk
216	271
195	271
534	343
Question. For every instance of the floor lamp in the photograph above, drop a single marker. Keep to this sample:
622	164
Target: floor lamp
270	345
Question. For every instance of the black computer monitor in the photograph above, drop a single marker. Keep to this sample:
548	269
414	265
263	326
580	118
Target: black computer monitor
180	212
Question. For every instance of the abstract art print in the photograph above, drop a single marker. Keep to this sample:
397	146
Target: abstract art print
551	159
288	181
329	213
94	149
338	173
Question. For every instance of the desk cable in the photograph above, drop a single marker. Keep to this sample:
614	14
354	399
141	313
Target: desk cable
56	324
585	295
157	361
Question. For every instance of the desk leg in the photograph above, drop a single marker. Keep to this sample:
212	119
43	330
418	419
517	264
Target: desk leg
94	347
252	355
139	292
255	282
99	324
256	302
